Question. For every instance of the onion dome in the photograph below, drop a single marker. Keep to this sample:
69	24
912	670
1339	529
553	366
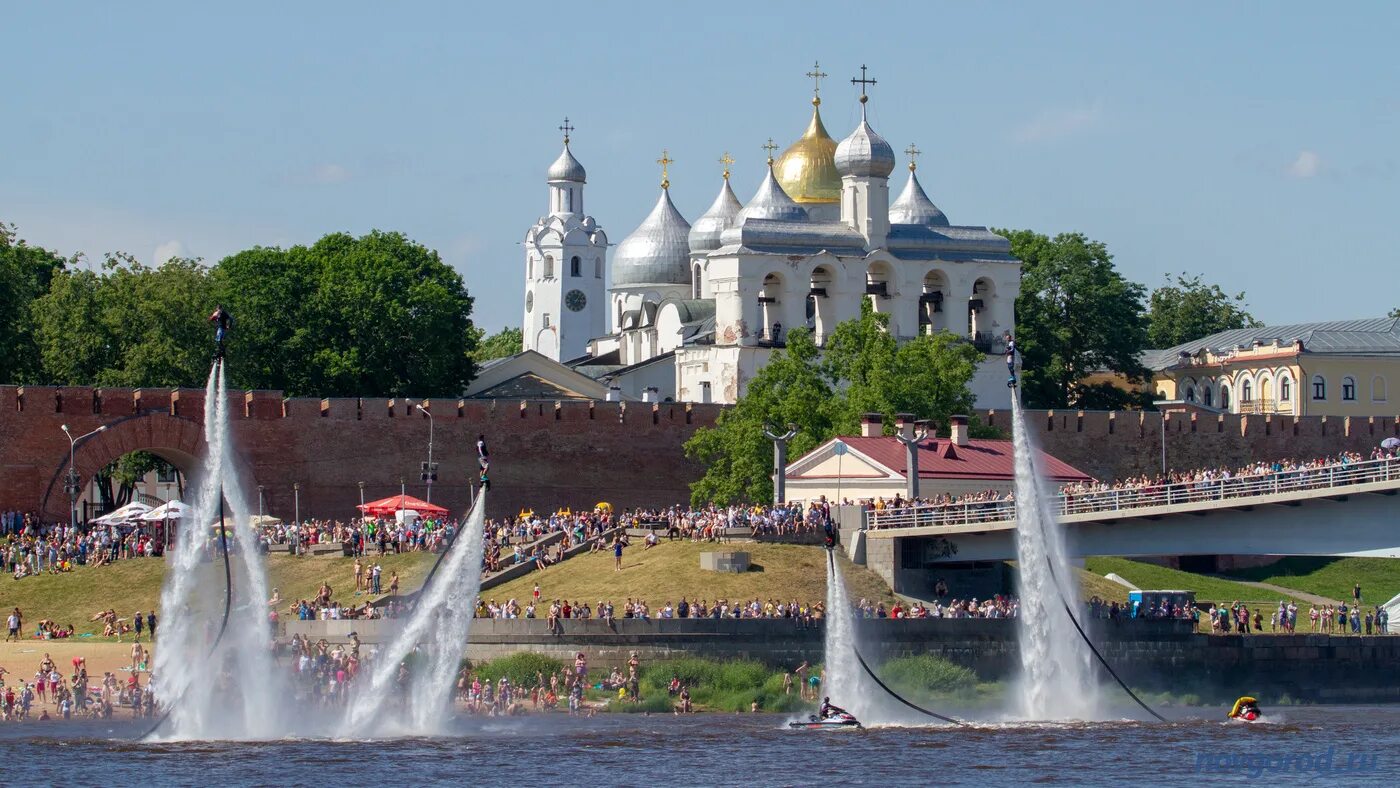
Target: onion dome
771	202
657	252
705	233
865	153
566	167
914	207
807	169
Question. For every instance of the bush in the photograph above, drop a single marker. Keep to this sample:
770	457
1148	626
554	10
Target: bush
927	674
522	668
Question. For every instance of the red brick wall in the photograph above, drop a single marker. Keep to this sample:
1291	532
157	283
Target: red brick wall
544	454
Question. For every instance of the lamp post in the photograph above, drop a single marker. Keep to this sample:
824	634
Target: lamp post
911	458
430	470
362	497
296	497
1164	444
780	442
73	471
260	505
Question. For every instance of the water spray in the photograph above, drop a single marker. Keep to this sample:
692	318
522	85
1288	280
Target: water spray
836	578
1019	424
216	374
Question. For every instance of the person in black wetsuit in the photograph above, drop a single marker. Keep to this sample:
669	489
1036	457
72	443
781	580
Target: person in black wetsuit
222	320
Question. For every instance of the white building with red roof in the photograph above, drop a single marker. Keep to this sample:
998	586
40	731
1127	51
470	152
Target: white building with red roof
873	466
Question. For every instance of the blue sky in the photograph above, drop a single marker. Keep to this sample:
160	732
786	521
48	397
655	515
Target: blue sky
1255	143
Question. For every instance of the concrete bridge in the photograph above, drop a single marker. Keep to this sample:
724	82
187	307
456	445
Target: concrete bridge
1336	510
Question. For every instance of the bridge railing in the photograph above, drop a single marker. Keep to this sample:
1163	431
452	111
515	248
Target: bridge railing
1327	476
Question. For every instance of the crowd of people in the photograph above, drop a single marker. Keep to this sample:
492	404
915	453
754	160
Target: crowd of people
52	695
29	546
1177	487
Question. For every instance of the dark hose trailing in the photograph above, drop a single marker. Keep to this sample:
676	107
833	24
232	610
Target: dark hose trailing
831	556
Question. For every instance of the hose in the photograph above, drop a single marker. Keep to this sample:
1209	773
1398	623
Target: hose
831	556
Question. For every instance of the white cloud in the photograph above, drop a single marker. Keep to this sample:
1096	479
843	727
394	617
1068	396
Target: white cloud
1306	165
329	173
168	250
1058	123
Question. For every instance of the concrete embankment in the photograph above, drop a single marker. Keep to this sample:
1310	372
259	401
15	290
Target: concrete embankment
1160	655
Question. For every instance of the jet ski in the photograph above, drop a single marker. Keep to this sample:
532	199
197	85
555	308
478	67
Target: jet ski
813	722
1246	709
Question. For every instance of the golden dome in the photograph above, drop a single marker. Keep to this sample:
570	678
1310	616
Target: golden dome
807	169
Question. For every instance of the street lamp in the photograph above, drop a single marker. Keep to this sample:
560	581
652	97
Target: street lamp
362	497
429	470
780	444
260	505
296	497
73	472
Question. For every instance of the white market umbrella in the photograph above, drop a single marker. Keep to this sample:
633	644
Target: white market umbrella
131	511
1390	443
264	520
173	510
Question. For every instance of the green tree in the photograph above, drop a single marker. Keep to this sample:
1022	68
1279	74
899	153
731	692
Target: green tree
1186	309
1076	316
738	459
387	316
131	325
26	273
267	291
502	344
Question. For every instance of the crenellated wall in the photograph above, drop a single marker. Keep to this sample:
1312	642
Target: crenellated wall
545	454
1116	444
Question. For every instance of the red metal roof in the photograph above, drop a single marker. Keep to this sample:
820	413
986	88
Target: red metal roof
979	459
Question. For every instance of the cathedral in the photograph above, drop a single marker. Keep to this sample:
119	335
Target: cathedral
690	311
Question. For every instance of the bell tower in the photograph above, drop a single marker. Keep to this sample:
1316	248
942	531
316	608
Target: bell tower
565	251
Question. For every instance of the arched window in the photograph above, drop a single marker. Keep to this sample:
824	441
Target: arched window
549	266
1285	389
1378	389
1349	388
695	281
1319	387
575	266
598	268
1190	393
1207	396
529	268
1224	397
1247	391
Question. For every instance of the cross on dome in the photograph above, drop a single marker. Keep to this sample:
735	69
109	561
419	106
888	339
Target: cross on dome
863	82
770	146
665	161
816	75
567	129
725	161
913	153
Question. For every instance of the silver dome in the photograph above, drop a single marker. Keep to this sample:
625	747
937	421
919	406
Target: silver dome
914	207
566	168
705	233
657	252
771	202
865	153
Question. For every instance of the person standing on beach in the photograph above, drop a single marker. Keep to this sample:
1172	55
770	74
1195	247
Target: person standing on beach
151	624
16	622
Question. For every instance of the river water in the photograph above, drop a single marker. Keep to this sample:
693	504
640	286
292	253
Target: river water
716	749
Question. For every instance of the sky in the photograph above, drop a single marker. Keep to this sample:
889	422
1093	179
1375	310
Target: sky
1251	142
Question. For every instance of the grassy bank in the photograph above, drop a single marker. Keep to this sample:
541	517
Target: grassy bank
1332	578
1160	578
134	584
671	570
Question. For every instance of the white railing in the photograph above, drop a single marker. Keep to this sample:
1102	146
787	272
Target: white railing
1340	475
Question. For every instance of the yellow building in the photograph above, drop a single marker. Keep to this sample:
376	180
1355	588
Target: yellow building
1340	368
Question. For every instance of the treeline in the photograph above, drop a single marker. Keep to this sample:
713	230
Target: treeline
377	314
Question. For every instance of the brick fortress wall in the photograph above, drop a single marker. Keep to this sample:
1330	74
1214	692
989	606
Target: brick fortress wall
545	454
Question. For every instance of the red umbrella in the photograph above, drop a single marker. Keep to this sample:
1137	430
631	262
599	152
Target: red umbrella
387	506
